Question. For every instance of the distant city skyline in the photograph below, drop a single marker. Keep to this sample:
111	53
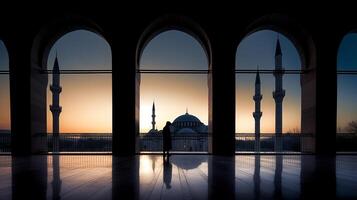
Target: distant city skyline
90	110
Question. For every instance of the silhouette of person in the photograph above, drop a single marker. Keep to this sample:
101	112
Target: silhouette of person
166	134
167	173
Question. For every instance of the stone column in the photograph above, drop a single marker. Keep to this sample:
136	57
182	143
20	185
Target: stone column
222	98
125	98
28	99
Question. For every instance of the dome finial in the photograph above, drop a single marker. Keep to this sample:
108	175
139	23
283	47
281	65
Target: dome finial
186	111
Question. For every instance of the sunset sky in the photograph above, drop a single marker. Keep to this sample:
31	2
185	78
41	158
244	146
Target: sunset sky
347	84
258	49
87	99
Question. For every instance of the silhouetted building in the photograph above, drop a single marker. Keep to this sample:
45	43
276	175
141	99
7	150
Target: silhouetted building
55	107
257	114
188	134
278	95
183	124
187	123
153	129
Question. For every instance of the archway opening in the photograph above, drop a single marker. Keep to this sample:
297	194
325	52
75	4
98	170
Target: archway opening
5	117
79	93
346	137
173	70
268	93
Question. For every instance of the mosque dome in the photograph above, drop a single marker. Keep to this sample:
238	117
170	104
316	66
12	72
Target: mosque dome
187	123
186	120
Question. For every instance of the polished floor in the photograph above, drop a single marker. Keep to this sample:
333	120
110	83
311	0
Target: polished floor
181	177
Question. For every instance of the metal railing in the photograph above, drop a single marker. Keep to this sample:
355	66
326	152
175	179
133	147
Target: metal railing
245	142
180	142
5	142
269	142
102	142
82	142
346	142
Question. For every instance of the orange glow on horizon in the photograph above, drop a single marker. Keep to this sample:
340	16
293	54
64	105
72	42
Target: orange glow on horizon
245	108
172	95
86	102
5	102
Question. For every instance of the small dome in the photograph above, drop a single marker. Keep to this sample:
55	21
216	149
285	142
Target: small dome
185	131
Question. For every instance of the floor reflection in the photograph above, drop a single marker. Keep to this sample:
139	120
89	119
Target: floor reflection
256	177
29	177
125	177
167	173
5	177
56	183
179	177
346	176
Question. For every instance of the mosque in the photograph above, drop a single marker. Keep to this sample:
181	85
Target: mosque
188	134
183	124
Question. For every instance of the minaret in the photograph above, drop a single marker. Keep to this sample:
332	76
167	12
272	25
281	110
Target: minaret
257	114
55	107
278	95
153	116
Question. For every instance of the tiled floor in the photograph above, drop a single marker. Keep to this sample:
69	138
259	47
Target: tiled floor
183	177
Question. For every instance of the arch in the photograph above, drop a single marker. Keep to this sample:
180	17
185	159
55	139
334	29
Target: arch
341	34
51	32
181	24
5	104
291	29
353	33
6	51
346	115
174	22
305	46
41	46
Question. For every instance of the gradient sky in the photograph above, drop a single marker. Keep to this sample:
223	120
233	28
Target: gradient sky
259	49
87	99
175	92
346	89
4	89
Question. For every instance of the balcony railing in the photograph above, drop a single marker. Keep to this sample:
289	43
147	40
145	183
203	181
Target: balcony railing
5	142
245	142
81	142
346	142
269	142
180	142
